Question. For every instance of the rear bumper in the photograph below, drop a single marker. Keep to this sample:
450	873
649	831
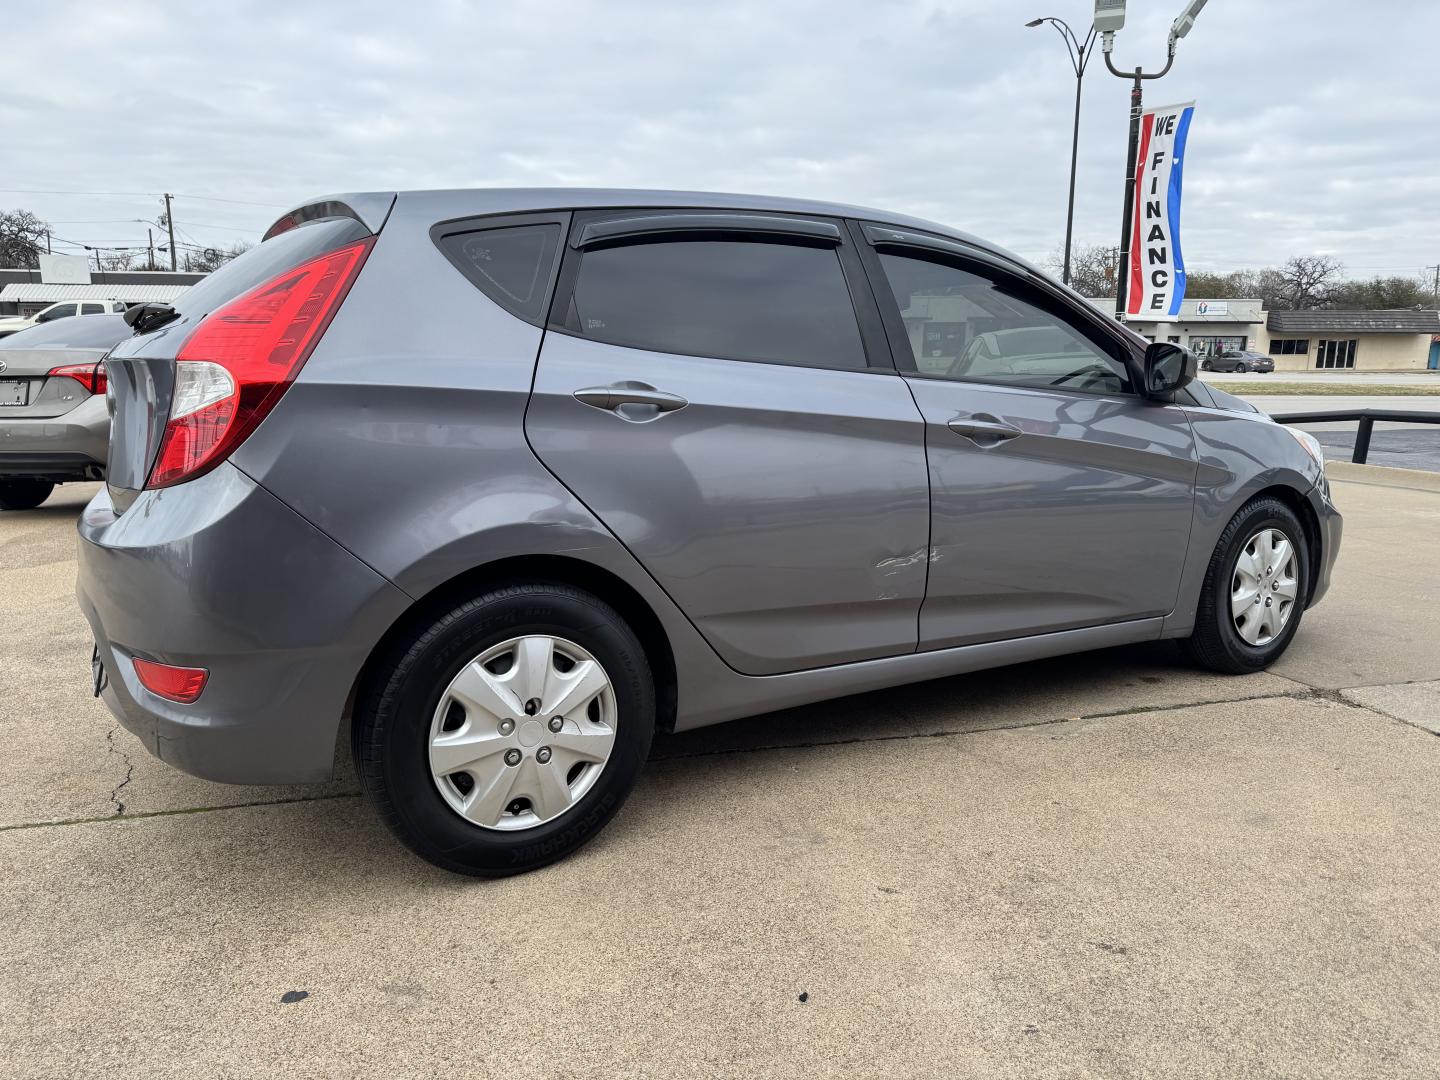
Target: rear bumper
71	446
219	574
1332	526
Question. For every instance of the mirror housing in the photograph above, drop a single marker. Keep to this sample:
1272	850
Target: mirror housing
1168	367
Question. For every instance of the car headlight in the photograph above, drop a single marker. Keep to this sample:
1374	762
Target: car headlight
1310	445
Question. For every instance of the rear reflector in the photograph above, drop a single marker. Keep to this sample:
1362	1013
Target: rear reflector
182	684
240	360
90	376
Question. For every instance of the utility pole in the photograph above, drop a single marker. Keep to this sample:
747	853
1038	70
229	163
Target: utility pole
150	243
1110	17
170	224
47	243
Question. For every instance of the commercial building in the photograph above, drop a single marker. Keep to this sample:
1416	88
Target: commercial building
23	292
1319	340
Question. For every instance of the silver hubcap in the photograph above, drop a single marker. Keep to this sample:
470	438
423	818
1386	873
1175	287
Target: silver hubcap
522	732
1263	590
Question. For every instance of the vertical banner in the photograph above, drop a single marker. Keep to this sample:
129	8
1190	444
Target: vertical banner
1157	270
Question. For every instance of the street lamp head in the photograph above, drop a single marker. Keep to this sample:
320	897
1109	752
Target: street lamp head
1181	26
1034	22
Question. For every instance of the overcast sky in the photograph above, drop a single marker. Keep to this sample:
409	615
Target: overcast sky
1315	128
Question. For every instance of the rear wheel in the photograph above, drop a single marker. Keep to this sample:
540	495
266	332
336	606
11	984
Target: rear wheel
1254	591
505	734
24	494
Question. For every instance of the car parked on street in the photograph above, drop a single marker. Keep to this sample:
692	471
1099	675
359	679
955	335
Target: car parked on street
1238	360
65	309
54	427
638	462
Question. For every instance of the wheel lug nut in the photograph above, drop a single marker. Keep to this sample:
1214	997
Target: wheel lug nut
542	755
556	723
512	757
507	726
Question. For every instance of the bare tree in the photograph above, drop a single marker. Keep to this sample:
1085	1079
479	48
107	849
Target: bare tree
1301	282
22	239
1092	269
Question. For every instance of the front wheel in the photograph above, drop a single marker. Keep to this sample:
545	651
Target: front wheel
24	494
1206	365
1254	591
504	735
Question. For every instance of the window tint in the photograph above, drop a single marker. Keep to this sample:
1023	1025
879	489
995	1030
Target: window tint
1289	346
733	298
510	265
92	309
962	325
60	311
266	260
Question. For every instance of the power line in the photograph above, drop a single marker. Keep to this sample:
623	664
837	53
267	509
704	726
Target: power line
142	195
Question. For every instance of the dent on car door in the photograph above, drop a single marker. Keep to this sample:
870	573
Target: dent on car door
1061	499
708	393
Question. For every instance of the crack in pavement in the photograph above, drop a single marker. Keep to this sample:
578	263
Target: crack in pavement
1307	694
129	770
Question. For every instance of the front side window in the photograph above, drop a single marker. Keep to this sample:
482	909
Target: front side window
735	299
59	311
965	325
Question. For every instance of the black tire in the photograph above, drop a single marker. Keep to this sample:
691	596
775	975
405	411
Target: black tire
396	705
24	494
1215	642
1206	365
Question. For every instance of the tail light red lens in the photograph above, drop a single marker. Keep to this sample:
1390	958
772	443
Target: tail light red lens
182	684
240	360
90	376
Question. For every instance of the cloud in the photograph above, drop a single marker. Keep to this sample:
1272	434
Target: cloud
1313	133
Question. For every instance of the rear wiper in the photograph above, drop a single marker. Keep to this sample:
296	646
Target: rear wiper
146	317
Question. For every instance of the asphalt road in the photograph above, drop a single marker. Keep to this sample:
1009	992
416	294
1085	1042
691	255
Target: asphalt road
1106	865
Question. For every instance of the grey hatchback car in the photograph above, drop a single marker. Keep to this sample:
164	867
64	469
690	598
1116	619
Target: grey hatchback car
518	478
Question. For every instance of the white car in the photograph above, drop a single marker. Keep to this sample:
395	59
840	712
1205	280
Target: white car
63	310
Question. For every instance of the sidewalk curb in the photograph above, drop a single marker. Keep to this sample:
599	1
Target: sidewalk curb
1382	475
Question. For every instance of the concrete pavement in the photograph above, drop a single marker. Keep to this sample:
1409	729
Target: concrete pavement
1104	865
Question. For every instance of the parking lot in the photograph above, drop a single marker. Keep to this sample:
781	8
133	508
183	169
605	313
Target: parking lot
1104	865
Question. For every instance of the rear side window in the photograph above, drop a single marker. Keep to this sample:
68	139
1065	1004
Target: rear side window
733	298
511	265
92	309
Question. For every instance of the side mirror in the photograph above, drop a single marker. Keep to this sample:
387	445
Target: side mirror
1168	367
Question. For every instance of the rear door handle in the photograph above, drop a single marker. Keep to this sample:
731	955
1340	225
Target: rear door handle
990	431
612	397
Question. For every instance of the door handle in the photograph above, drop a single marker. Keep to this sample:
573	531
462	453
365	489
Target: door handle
976	430
611	398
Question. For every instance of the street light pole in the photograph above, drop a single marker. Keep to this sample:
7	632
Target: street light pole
1079	53
1178	29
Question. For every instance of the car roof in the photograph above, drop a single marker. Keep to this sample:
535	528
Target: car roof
444	204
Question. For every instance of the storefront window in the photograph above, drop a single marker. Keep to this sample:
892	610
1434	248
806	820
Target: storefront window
1216	346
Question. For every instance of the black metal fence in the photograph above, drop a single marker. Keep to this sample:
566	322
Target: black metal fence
1366	419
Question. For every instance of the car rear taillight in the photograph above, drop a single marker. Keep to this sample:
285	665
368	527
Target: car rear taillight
90	376
182	684
240	360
